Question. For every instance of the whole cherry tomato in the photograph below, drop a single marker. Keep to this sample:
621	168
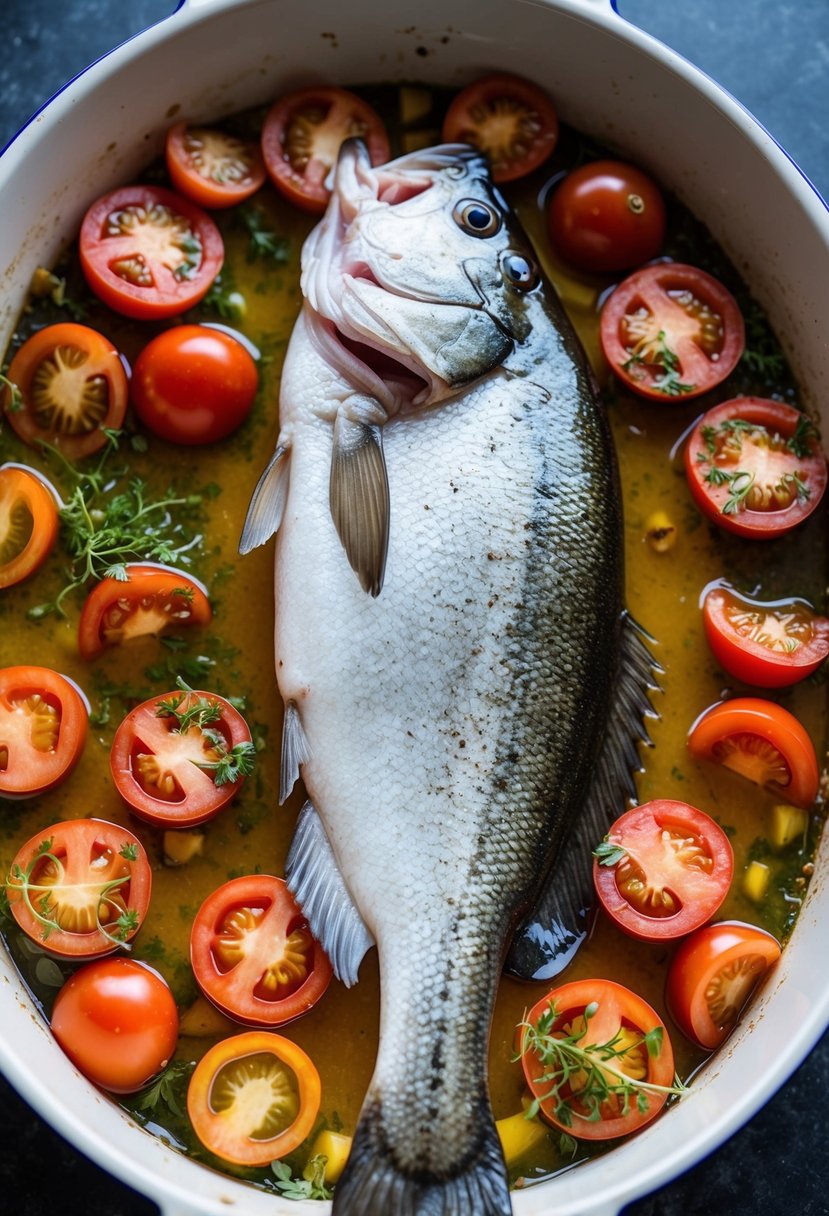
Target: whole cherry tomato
607	216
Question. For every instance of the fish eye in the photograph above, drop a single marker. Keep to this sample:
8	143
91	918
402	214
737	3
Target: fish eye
519	270
476	217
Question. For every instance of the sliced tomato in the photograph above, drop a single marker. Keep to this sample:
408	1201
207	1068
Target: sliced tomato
671	331
80	888
771	645
72	385
301	140
663	870
762	742
606	216
151	600
254	1098
608	1024
148	253
28	522
43	725
755	466
212	168
511	120
118	1023
166	771
253	954
712	976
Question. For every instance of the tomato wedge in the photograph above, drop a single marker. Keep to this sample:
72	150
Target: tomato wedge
170	757
301	140
72	384
253	954
671	331
771	645
148	253
511	120
755	466
43	725
254	1098
606	216
712	976
567	1037
28	522
80	888
151	600
210	167
760	741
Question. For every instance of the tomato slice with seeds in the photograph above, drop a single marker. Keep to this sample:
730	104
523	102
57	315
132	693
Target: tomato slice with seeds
80	888
511	120
301	140
148	253
72	385
43	725
762	742
165	766
755	466
663	870
595	1014
211	167
254	1098
671	331
768	644
28	522
151	600
713	975
253	954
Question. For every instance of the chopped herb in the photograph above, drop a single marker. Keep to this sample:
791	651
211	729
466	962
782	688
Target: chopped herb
166	1089
804	437
225	301
130	852
669	382
263	242
609	854
236	763
189	710
312	1187
15	402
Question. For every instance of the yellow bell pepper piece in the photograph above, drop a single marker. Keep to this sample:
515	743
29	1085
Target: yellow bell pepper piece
181	847
518	1135
787	824
335	1148
756	881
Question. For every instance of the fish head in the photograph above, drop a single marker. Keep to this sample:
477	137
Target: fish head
421	269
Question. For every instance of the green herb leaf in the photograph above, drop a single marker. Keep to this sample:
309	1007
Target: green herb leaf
609	854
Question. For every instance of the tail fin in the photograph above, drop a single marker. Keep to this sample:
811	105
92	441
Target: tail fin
374	1183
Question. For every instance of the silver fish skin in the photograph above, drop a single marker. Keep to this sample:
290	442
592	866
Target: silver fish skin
445	713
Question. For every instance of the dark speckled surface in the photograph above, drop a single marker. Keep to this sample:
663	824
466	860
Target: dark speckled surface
774	57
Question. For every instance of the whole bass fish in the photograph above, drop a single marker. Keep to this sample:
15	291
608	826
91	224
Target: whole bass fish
459	678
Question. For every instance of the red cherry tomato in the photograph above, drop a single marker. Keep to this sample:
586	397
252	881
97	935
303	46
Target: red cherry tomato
671	331
164	763
712	976
225	1098
72	384
755	467
253	954
770	645
212	168
150	601
607	216
193	384
43	725
148	253
760	741
663	870
118	1023
80	888
302	135
511	120
28	522
592	1013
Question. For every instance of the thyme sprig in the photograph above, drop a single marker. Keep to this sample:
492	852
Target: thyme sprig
194	712
670	382
804	438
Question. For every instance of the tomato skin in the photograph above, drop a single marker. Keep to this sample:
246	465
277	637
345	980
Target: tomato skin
696	876
730	724
710	956
752	661
165	295
607	216
754	524
118	1023
188	176
320	118
475	117
684	335
618	1007
166	596
225	1137
42	359
24	490
194	384
63	713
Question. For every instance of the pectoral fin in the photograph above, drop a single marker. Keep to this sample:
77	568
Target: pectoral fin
359	498
267	505
295	751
